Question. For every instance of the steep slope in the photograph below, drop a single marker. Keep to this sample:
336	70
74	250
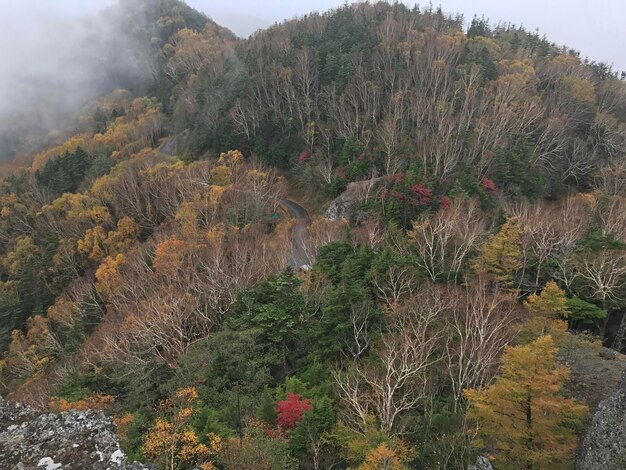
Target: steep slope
116	49
146	268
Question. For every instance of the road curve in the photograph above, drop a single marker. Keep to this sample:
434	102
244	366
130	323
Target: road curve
299	238
294	209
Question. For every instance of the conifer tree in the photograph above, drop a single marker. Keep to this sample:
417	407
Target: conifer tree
522	419
500	256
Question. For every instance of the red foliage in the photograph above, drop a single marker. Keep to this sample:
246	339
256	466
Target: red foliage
290	411
396	178
488	185
305	156
422	192
444	202
341	171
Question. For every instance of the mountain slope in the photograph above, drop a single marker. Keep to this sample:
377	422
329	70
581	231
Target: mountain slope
147	265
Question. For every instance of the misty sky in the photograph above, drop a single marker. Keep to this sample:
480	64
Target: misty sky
596	28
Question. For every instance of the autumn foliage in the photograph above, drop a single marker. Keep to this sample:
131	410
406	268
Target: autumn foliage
172	442
289	412
522	418
465	197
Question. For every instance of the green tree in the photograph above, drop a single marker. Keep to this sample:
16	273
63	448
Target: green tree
277	309
584	313
478	27
64	173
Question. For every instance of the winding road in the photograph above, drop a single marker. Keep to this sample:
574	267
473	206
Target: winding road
298	258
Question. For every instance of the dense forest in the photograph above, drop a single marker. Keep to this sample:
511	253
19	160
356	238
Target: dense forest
147	257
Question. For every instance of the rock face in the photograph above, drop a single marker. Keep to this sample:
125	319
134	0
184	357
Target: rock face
175	144
482	463
346	205
72	440
604	445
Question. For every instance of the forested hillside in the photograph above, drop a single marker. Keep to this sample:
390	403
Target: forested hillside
147	255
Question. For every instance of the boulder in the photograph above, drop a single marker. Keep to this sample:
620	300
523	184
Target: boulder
482	463
604	444
347	204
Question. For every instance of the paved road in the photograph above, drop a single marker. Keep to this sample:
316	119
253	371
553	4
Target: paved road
299	240
295	210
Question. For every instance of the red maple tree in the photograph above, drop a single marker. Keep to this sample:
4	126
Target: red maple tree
290	411
305	156
488	185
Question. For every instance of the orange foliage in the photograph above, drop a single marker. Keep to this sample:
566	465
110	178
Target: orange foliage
94	402
122	423
169	256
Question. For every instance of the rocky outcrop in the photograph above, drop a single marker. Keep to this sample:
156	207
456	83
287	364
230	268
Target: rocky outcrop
604	445
347	204
73	440
175	145
482	463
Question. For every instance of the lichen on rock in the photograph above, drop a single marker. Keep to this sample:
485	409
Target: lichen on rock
81	440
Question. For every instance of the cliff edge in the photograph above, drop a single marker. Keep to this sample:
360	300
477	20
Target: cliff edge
72	440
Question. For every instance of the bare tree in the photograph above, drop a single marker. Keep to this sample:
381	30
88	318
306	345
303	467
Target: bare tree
444	241
539	235
407	352
481	325
361	317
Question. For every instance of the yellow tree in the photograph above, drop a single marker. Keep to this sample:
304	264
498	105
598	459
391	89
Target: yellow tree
522	418
108	277
371	448
221	175
172	443
92	244
31	353
383	458
120	240
501	255
547	312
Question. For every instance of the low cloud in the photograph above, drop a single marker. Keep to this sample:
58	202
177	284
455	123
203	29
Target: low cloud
55	62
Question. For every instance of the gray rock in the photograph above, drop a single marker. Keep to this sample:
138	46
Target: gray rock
77	440
175	144
482	463
604	445
346	205
606	353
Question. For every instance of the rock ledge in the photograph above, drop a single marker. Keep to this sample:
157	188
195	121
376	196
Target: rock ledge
77	440
604	445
